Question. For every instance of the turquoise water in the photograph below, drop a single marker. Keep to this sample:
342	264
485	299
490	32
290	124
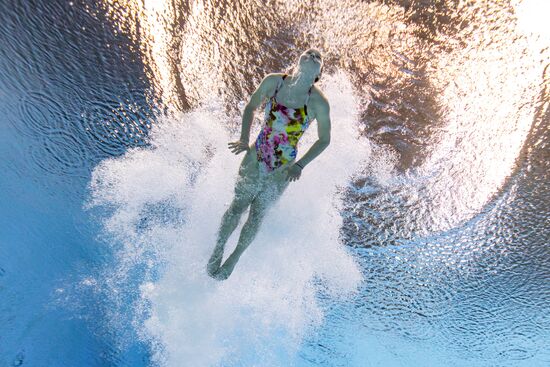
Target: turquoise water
420	237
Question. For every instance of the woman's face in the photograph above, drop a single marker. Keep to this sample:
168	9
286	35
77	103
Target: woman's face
310	62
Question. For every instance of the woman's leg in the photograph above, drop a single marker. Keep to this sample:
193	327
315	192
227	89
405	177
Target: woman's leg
245	190
258	209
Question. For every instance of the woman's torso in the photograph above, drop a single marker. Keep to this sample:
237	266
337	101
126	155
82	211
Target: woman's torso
277	143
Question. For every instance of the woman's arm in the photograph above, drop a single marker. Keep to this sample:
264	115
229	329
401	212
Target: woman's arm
263	90
256	99
322	112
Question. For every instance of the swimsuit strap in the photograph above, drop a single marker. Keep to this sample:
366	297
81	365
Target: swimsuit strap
279	86
308	95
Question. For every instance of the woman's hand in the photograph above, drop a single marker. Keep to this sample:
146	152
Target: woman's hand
293	173
238	146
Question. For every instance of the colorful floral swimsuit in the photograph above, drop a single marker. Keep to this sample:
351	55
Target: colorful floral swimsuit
277	143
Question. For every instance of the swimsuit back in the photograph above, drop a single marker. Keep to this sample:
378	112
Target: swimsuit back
277	143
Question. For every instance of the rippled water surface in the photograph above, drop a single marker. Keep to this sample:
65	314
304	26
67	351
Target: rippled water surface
420	237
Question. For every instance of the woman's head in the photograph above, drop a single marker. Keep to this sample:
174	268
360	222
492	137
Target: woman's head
310	64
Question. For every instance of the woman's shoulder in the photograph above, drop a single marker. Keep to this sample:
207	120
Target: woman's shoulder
318	97
269	83
273	78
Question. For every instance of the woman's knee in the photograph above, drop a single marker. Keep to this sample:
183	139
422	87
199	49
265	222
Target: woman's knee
258	209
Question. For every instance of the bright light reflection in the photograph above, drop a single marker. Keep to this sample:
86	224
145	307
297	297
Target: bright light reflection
487	122
152	31
533	16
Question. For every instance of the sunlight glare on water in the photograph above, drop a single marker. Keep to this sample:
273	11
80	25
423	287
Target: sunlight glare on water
418	238
533	16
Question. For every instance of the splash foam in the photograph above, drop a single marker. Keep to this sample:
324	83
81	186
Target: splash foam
168	199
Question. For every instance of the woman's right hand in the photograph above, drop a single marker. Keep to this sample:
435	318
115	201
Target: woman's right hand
238	146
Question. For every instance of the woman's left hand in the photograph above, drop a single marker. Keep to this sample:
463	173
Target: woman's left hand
293	173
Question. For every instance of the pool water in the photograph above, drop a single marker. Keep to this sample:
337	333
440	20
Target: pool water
419	237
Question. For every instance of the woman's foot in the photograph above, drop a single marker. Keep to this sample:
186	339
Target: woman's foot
221	274
214	264
226	269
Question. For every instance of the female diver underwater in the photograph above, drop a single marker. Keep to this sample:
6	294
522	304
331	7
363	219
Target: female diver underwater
270	163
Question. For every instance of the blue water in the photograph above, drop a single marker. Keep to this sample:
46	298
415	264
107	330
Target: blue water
436	253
